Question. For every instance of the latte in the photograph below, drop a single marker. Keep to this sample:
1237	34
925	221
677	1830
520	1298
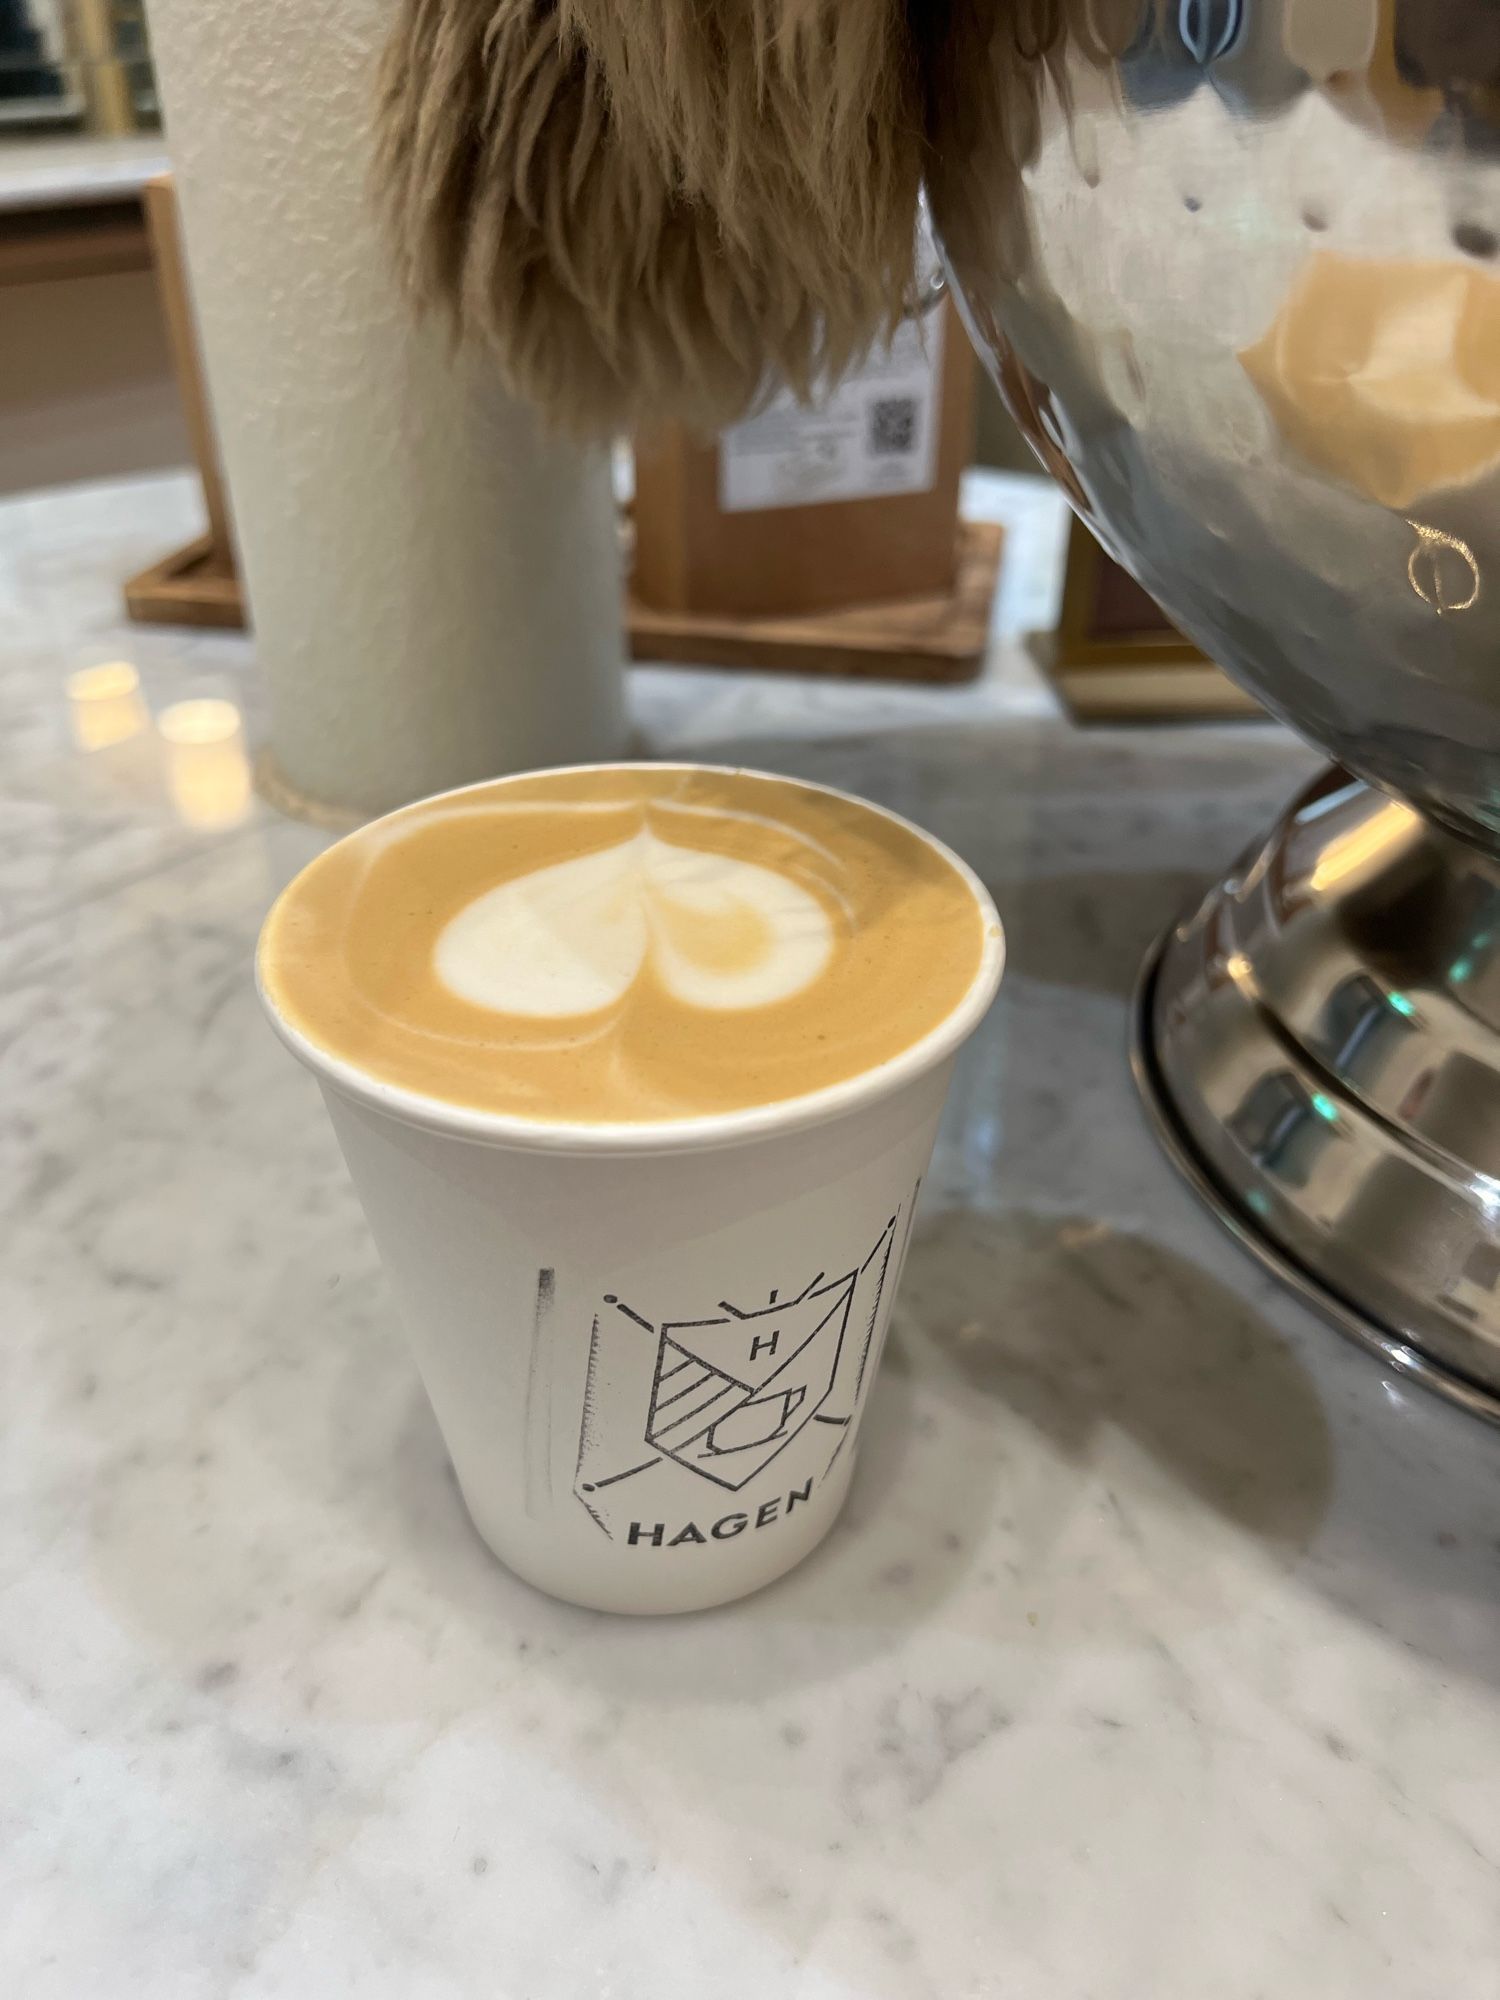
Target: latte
624	945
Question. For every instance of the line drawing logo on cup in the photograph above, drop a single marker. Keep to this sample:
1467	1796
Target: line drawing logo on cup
680	1413
731	1393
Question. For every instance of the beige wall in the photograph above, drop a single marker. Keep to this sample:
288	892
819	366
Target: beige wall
86	386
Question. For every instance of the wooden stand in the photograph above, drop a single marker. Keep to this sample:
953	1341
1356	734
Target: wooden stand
1116	658
199	584
939	638
196	585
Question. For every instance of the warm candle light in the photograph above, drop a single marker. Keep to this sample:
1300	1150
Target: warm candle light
105	704
207	769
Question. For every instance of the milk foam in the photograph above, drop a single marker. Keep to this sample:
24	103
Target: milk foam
718	933
624	945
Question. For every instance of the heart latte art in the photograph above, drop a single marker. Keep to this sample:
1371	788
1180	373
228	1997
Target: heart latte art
631	944
568	939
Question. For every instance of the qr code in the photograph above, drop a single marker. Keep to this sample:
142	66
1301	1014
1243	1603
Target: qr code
893	426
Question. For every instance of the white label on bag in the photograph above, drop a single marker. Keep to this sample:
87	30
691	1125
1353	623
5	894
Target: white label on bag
876	433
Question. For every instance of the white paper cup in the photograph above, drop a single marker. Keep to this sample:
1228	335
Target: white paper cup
649	1347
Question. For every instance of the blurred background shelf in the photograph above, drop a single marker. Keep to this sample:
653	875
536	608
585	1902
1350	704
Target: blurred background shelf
83	64
86	383
50	170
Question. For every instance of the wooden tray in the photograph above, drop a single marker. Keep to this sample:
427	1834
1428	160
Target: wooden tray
912	639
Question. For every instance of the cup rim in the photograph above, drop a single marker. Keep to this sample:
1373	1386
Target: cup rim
703	1132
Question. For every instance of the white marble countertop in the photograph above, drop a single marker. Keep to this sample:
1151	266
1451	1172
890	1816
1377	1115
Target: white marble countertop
1155	1658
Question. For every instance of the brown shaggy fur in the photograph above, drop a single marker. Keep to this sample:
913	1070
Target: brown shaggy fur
654	205
661	207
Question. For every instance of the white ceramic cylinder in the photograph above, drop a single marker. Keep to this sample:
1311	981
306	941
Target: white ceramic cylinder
434	585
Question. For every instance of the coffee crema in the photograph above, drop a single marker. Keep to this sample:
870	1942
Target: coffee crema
623	945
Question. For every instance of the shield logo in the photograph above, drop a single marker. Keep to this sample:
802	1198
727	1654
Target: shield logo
669	1404
731	1393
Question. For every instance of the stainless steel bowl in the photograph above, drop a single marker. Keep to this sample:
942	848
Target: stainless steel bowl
1209	186
1244	296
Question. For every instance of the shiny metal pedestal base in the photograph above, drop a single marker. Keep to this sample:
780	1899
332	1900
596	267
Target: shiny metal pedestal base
1319	1047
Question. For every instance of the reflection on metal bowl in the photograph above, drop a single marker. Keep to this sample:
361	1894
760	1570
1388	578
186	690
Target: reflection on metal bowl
1244	296
1249	291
